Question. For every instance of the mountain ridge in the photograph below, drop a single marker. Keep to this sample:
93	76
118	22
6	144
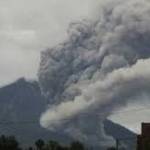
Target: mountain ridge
22	102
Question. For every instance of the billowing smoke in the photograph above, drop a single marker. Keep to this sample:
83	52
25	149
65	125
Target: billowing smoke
101	66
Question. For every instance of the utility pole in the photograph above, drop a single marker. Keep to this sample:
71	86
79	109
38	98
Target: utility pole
117	144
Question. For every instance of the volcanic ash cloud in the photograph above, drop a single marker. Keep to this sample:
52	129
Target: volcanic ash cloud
101	66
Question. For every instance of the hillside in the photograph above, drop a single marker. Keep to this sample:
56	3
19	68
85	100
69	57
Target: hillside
21	105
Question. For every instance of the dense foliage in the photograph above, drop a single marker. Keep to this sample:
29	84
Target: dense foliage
11	143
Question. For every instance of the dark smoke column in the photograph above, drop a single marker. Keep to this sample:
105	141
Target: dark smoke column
101	66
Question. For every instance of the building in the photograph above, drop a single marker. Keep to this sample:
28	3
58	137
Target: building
143	140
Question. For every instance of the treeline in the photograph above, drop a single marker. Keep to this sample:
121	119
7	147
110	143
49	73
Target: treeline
54	145
10	143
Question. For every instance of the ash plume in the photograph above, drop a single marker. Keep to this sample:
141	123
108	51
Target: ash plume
102	65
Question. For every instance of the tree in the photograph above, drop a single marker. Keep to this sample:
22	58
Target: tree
76	146
8	143
39	144
30	148
12	142
53	145
111	148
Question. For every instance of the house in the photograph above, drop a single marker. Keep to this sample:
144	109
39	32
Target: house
143	140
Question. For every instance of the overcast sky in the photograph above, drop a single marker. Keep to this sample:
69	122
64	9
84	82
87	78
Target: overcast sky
127	116
29	26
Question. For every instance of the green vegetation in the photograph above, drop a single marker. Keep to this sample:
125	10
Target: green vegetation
112	148
10	143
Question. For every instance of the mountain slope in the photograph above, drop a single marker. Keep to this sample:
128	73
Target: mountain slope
21	105
120	133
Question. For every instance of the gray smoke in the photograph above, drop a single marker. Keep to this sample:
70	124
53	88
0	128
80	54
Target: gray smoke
101	66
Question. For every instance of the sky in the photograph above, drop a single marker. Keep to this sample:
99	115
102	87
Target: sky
132	115
30	26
